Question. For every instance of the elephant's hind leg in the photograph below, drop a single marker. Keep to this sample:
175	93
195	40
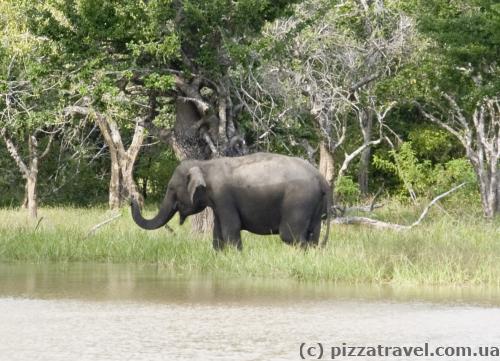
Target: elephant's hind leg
314	231
294	232
314	228
299	209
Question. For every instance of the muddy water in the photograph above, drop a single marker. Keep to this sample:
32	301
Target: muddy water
113	312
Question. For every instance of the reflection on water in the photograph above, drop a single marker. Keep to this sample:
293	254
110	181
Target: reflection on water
113	312
108	282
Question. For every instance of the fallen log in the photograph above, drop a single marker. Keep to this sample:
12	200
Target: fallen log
367	209
397	227
369	222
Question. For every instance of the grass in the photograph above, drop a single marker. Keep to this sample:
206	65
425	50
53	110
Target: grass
442	251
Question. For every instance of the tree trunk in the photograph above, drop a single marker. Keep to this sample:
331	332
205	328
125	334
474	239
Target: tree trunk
130	188
203	222
489	188
186	145
487	175
364	171
481	139
498	190
326	164
122	184
25	199
114	181
31	183
29	171
495	184
204	128
366	123
30	201
489	201
485	200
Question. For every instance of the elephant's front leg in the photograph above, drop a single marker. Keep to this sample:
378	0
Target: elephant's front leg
218	242
230	226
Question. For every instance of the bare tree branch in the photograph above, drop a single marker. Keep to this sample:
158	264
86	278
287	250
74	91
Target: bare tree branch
397	227
94	229
47	148
13	151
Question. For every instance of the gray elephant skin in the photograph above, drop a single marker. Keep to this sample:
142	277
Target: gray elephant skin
262	193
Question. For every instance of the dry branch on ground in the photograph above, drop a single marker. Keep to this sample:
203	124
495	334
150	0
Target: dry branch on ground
397	227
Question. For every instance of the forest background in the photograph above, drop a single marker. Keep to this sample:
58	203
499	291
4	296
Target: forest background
102	99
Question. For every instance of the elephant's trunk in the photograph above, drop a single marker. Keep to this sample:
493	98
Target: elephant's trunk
166	212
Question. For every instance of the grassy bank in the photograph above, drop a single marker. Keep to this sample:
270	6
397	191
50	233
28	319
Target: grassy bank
443	250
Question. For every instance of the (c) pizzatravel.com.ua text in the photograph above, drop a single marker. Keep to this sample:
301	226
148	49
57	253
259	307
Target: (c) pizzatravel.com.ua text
323	351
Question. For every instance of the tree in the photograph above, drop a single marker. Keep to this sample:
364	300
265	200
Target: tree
214	36
121	184
97	39
176	54
461	86
28	96
327	59
479	134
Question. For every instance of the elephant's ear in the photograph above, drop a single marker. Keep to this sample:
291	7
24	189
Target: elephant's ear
196	184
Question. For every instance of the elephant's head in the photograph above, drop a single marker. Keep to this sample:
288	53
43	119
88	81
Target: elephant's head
186	194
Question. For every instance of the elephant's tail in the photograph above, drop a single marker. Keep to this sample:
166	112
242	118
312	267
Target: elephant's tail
327	196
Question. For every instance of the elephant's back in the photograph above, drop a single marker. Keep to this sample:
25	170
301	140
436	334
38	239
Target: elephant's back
268	168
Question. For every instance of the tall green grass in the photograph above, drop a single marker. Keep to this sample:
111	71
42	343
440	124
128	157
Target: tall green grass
444	250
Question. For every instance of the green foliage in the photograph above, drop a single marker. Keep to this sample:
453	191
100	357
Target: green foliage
210	30
162	51
11	190
153	170
28	72
57	51
407	167
423	177
159	82
468	28
347	191
454	172
463	52
437	145
286	137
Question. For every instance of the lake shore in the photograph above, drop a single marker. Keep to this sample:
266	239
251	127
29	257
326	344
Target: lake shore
442	251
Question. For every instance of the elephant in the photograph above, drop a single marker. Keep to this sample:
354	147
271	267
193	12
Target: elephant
263	193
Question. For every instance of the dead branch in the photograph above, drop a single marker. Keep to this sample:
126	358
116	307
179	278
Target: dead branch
426	210
379	192
361	83
349	157
94	229
47	148
169	229
13	151
200	105
336	209
366	209
38	223
369	222
397	227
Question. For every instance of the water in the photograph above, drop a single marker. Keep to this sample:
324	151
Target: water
114	312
